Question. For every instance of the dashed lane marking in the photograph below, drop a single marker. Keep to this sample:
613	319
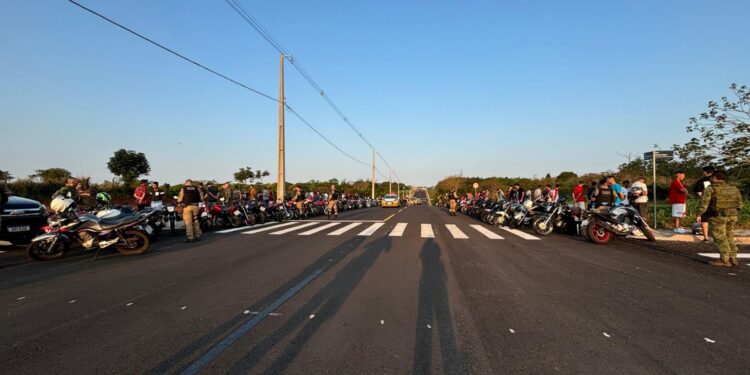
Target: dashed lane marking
345	229
244	228
518	233
455	232
269	228
292	229
369	231
486	232
318	229
398	230
426	231
392	215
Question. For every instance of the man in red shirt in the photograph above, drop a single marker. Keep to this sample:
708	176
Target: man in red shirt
578	196
142	195
678	199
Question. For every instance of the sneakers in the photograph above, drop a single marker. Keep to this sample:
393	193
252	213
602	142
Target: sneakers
734	261
680	230
187	240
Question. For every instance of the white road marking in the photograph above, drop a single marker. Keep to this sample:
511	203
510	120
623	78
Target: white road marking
21	298
709	340
717	255
511	330
72	301
246	312
129	304
369	231
269	228
318	229
398	230
427	232
455	232
606	334
292	229
245	228
382	322
486	232
429	326
2	251
518	233
183	307
345	229
312	316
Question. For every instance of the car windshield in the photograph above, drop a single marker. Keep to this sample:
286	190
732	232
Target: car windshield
391	197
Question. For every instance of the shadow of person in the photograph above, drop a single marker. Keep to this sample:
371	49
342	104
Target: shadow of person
324	304
434	315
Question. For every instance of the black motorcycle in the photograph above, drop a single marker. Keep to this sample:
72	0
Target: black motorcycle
604	224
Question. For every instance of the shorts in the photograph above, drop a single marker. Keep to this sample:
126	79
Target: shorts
678	210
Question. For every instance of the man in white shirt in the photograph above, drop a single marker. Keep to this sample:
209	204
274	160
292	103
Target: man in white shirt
625	193
640	193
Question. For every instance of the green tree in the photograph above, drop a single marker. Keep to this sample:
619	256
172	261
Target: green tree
128	165
52	175
259	175
5	176
244	174
723	133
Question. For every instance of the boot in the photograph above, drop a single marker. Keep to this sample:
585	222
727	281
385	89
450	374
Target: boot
734	262
720	263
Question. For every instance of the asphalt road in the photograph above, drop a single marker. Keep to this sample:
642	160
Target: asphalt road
357	297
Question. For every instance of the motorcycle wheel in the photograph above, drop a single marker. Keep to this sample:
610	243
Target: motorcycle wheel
541	228
250	220
598	234
39	250
234	221
136	243
172	230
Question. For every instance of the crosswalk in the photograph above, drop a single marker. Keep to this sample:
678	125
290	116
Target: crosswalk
367	229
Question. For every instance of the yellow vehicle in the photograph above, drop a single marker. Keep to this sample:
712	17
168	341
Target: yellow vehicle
390	200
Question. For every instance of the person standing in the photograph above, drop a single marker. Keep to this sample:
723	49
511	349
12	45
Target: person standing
698	189
5	194
299	201
189	198
721	204
579	198
603	196
678	200
333	203
590	193
616	189
639	196
626	193
142	196
453	202
212	193
554	193
68	191
157	195
538	193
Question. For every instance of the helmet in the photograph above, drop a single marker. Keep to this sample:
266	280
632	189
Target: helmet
103	197
61	204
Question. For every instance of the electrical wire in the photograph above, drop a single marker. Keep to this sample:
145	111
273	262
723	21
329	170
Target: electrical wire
219	75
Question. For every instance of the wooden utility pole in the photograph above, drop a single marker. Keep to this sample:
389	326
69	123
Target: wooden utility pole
280	180
390	183
373	174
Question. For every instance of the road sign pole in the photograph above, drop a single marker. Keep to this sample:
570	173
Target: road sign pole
373	174
653	164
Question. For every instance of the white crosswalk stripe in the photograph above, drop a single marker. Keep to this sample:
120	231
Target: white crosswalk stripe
455	232
426	231
345	229
518	233
294	228
272	227
486	232
398	230
369	231
318	229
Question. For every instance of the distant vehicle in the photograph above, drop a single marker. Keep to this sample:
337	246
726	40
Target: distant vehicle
22	219
390	200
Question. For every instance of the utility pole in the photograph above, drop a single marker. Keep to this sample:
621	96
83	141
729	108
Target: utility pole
280	180
373	174
390	183
653	163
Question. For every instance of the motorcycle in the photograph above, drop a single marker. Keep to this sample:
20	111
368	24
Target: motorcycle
129	234
547	217
604	224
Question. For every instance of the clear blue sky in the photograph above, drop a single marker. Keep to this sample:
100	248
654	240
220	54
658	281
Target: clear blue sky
507	88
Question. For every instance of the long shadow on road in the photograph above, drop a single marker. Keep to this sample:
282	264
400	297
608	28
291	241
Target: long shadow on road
434	310
324	304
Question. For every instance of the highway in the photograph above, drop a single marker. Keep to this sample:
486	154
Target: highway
392	291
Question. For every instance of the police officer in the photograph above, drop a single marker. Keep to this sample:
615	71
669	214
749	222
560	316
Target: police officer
189	197
453	201
721	204
333	203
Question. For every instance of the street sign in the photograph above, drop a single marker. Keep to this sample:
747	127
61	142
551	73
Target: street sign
662	154
476	185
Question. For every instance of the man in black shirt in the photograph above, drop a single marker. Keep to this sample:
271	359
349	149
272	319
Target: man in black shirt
698	189
333	203
189	198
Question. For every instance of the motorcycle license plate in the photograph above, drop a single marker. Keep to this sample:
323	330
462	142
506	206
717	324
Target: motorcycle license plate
236	213
148	229
170	208
584	223
25	228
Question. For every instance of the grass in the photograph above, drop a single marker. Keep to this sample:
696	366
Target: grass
665	220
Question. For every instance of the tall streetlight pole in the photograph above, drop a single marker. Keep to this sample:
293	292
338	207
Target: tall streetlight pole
373	174
282	162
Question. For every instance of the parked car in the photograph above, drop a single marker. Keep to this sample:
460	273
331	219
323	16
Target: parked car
22	219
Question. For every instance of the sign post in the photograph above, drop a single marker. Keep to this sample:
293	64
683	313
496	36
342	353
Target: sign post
653	156
476	186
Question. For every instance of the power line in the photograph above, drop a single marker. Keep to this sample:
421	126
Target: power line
219	75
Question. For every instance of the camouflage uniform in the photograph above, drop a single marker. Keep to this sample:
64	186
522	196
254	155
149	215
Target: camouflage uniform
721	203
